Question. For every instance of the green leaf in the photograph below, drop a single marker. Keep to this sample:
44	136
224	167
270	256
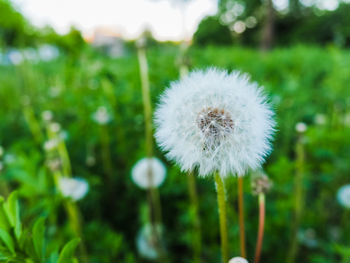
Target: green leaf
38	238
12	211
8	241
67	253
4	223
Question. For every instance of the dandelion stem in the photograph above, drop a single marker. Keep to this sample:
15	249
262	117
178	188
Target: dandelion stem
241	216
261	227
76	223
197	242
299	197
153	194
146	100
220	189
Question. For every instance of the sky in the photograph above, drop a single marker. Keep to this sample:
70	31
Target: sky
128	17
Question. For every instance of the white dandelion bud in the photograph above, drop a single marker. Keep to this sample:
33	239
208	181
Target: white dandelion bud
238	260
74	188
301	127
47	116
215	121
145	243
148	172
101	116
343	196
260	183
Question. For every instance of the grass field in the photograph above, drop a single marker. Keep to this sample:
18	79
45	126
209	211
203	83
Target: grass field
305	84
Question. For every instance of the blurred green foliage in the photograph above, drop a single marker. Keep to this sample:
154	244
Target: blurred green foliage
305	84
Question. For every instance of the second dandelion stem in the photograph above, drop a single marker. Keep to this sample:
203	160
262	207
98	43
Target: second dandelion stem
261	227
220	189
241	216
197	242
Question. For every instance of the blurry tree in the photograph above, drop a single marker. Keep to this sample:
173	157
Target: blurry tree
14	28
211	31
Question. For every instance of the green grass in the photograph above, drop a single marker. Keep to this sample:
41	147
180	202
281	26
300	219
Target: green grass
301	81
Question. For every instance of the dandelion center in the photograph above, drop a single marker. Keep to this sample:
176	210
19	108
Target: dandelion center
215	123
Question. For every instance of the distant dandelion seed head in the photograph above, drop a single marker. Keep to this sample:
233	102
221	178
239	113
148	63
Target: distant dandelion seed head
215	121
145	243
47	116
101	116
148	172
55	127
238	260
301	127
260	183
343	196
74	188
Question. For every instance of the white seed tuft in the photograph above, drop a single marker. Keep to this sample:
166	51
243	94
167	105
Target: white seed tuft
215	121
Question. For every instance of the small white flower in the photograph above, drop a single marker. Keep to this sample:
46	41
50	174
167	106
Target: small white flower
320	119
47	115
51	144
101	116
55	127
145	243
238	260
343	195
301	127
148	172
75	188
215	121
1	151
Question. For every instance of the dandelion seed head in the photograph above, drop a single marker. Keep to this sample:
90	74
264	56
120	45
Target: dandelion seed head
260	183
238	260
148	172
343	196
320	119
215	121
301	127
55	127
47	116
74	188
51	145
101	116
145	242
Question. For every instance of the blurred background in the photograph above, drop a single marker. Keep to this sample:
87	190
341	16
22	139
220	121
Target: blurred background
73	75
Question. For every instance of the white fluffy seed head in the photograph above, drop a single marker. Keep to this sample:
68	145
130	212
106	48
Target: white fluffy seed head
215	121
145	242
74	188
148	172
47	116
301	127
343	196
101	116
238	260
55	127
